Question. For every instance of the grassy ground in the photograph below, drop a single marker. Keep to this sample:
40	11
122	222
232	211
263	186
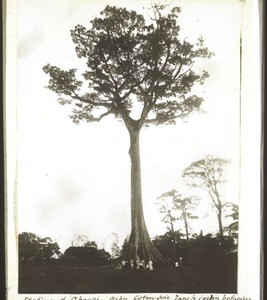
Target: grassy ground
60	279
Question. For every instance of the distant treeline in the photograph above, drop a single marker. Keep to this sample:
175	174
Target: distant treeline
198	250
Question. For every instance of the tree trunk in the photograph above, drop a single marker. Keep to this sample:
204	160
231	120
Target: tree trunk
186	228
174	241
219	213
185	222
219	216
140	247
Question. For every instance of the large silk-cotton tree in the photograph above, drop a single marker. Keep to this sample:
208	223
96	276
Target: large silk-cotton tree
134	66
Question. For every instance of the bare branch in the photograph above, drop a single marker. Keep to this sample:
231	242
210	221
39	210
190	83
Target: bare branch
109	112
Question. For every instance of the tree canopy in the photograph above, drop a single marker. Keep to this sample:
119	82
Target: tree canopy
208	173
33	248
133	65
174	206
86	255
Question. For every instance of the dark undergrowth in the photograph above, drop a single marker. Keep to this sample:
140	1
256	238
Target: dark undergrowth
73	279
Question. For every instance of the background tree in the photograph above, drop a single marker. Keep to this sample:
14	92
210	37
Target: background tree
115	249
91	244
139	71
80	240
167	209
112	245
86	255
124	248
177	208
232	211
186	205
166	246
207	173
33	248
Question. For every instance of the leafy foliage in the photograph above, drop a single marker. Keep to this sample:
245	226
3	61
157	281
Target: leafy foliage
115	249
199	250
33	248
232	228
167	243
175	206
167	208
81	240
91	244
132	60
207	173
89	256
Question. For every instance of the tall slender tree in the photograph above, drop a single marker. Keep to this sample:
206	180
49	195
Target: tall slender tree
186	205
135	66
166	208
208	173
174	206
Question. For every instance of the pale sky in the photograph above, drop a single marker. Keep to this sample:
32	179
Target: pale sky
75	179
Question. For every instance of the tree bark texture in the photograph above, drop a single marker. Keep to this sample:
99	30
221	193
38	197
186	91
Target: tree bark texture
140	246
219	216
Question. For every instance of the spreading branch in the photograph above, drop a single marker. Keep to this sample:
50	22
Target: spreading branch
129	60
207	173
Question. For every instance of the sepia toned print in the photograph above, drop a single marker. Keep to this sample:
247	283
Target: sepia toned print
130	165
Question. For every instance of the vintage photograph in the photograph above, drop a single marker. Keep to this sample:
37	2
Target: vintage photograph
128	169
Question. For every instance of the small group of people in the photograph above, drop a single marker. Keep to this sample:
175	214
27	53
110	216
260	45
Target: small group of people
178	263
141	264
137	264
